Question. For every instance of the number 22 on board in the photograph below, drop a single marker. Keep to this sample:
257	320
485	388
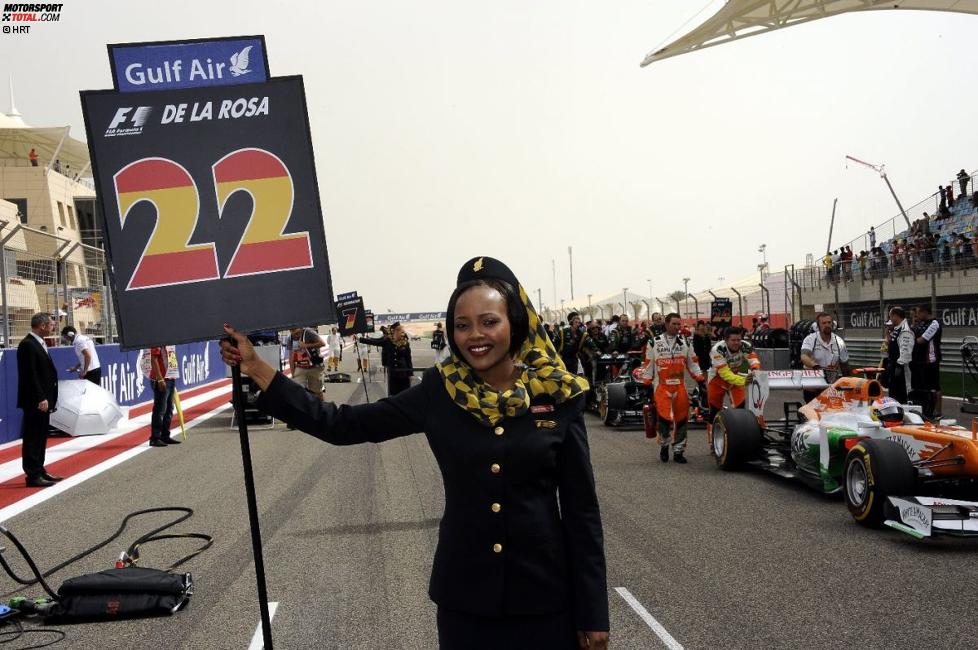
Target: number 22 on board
170	259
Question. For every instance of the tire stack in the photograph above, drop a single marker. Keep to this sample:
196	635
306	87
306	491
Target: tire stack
796	336
771	338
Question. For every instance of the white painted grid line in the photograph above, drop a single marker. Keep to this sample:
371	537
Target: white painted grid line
660	631
258	640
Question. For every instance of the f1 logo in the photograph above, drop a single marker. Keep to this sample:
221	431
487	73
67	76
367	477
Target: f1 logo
122	115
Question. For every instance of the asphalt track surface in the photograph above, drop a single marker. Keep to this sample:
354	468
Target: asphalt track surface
718	560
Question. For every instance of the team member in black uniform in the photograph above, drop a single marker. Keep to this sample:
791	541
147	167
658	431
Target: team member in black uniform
520	558
623	338
569	341
396	356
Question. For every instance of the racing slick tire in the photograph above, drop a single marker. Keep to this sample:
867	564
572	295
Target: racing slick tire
875	470
737	438
613	400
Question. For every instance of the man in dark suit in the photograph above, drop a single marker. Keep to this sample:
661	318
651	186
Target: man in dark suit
37	395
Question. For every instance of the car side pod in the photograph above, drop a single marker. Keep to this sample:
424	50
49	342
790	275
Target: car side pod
922	517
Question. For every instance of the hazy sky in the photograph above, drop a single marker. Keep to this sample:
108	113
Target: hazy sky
449	129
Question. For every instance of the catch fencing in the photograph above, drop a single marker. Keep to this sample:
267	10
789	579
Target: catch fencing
41	272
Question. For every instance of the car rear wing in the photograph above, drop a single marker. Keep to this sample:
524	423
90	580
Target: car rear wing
796	379
765	381
923	517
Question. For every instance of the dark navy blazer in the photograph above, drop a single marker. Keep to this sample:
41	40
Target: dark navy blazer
521	533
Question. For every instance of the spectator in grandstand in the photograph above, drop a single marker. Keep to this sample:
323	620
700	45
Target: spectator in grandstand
949	192
533	578
925	364
827	263
963	179
846	258
826	351
88	366
872	237
967	250
899	354
942	250
32	157
37	397
942	207
896	254
861	263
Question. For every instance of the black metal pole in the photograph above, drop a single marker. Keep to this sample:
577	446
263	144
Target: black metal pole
363	377
249	477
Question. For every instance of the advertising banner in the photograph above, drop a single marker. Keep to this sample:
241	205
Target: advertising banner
211	210
199	363
169	65
407	317
959	311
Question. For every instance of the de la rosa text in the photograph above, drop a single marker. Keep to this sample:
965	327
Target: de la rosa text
225	110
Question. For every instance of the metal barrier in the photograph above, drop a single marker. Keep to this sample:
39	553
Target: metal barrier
42	272
863	351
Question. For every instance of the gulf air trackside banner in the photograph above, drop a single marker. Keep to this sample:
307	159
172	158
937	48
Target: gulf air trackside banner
210	209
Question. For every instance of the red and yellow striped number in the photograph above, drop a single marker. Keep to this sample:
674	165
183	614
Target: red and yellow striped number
264	247
168	258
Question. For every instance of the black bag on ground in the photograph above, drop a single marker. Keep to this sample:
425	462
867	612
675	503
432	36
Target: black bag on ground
122	593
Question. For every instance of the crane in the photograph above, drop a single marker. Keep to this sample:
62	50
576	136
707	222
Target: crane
879	169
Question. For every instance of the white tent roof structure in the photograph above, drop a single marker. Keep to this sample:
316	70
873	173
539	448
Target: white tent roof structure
50	142
17	138
742	18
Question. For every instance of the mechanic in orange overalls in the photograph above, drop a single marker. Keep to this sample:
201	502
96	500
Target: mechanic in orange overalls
668	356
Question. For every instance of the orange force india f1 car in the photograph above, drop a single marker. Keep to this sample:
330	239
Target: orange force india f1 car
894	468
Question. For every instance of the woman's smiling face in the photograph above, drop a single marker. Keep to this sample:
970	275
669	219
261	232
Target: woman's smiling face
482	330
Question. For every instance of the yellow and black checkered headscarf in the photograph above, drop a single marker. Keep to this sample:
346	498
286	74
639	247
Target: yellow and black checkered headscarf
542	371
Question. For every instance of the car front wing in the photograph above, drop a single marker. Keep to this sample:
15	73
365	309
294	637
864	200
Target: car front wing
923	517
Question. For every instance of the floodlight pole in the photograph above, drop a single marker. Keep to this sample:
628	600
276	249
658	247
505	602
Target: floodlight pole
879	169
